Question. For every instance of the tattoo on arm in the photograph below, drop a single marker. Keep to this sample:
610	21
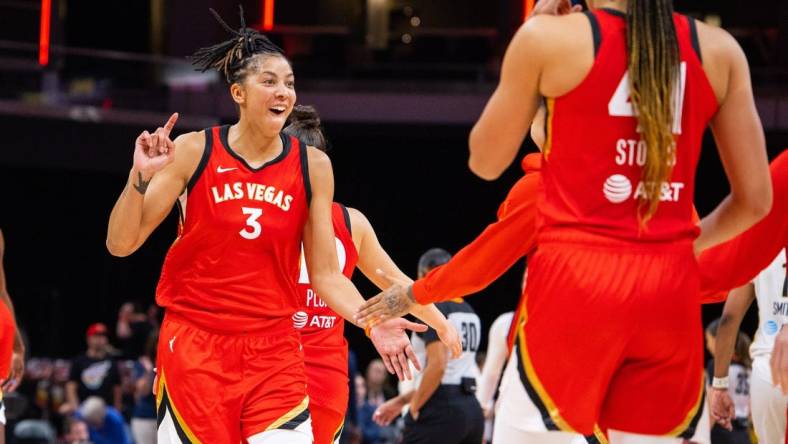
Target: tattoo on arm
142	185
398	302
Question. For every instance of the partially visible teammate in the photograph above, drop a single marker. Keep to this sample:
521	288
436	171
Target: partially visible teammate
230	365
12	348
631	87
325	346
768	403
737	262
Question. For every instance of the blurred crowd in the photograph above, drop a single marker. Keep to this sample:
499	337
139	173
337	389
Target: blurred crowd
103	396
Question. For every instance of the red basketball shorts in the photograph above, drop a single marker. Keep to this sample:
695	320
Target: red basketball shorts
327	386
215	388
612	336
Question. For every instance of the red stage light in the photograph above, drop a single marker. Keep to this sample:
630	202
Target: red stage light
43	40
268	15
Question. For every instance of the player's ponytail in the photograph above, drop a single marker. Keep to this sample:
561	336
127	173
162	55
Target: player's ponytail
237	57
304	124
653	59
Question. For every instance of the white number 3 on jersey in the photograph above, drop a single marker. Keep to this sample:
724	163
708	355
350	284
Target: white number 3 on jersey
253	227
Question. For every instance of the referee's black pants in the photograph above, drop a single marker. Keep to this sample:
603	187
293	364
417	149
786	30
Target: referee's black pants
450	416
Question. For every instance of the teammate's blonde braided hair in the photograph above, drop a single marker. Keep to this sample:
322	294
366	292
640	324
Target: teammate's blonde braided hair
653	59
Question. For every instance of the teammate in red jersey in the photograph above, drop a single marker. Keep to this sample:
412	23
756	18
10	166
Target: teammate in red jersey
230	365
616	212
325	347
12	348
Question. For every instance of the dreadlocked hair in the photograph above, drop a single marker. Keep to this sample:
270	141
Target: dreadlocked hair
235	56
653	65
304	124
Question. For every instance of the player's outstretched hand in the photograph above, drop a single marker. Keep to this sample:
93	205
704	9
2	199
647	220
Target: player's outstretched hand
391	341
722	410
779	361
153	152
392	302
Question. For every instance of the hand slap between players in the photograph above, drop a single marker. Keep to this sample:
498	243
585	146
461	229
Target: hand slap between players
392	343
392	302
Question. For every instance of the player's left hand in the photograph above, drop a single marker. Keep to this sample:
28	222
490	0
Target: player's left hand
722	409
391	341
392	302
17	372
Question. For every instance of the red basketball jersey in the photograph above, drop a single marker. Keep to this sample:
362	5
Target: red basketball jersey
322	334
595	155
234	265
318	323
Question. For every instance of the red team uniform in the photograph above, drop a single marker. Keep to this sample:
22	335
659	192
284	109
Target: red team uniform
228	353
325	346
612	312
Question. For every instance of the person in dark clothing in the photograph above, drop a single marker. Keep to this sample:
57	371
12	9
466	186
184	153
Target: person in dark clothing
94	373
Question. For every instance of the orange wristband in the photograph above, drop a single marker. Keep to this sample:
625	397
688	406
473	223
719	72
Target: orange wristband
367	330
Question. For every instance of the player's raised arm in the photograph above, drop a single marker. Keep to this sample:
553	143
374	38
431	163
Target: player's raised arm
499	132
379	268
156	179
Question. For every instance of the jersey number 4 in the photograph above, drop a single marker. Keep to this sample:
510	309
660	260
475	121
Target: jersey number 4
253	227
620	104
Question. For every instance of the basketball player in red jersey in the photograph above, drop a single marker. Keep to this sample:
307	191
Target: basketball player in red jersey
230	365
12	348
630	88
325	347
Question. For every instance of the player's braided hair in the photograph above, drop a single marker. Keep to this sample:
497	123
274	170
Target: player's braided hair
653	64
234	57
304	124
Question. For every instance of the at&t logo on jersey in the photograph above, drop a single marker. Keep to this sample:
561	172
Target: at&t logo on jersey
617	188
299	319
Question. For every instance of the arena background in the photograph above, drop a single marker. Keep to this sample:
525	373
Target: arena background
399	84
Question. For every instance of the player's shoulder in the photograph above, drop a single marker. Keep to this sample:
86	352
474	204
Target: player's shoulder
546	33
357	219
319	163
189	150
717	44
192	142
